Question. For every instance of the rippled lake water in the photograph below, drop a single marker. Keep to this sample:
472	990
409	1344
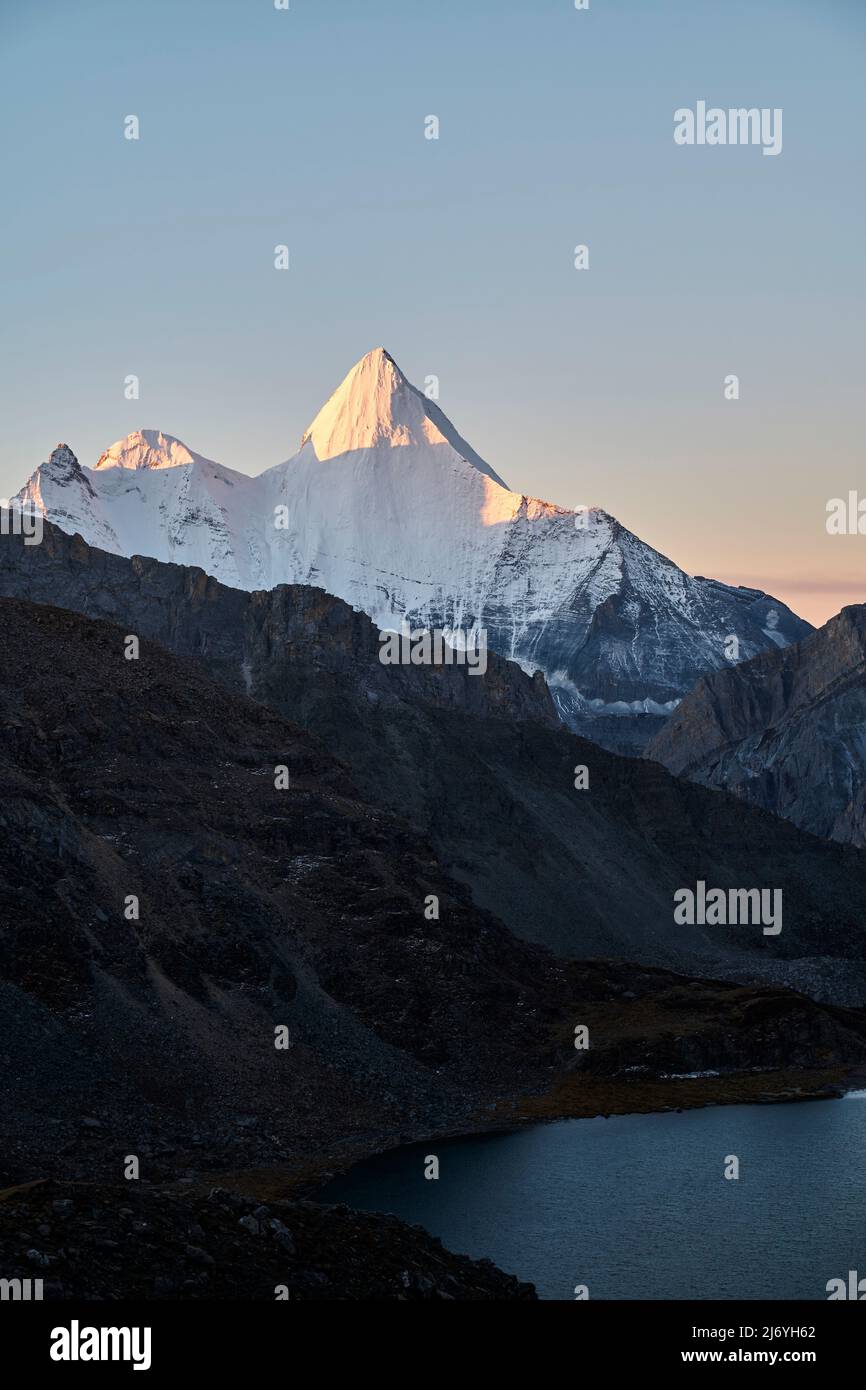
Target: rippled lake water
637	1206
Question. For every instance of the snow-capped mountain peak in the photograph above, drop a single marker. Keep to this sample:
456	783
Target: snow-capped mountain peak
388	507
63	465
376	406
148	449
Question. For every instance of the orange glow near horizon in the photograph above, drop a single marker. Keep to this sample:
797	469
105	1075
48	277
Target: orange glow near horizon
813	599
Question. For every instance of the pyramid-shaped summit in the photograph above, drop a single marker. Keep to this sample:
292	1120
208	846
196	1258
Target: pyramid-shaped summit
377	407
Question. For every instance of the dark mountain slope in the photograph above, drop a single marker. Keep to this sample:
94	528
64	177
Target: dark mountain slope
785	731
481	765
258	907
153	1036
261	907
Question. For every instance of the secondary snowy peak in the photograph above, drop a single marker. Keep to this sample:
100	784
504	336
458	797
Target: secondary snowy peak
149	449
375	407
61	475
64	466
62	491
62	455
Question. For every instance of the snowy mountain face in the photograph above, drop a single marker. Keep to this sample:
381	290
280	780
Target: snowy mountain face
150	495
386	506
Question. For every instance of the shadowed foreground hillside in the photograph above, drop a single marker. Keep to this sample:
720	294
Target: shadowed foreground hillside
481	767
168	908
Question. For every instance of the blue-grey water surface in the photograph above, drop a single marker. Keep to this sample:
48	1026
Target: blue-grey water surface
636	1206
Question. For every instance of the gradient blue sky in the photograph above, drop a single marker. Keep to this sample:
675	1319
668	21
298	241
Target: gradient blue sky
306	127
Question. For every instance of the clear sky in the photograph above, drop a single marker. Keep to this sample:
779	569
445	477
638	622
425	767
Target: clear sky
306	127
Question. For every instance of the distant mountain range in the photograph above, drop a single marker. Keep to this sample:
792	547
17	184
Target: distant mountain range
388	508
785	731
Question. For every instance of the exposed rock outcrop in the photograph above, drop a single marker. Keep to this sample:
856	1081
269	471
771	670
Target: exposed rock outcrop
785	731
77	1238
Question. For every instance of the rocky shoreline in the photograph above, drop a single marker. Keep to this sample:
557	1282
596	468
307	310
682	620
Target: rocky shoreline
260	1234
576	1097
85	1241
